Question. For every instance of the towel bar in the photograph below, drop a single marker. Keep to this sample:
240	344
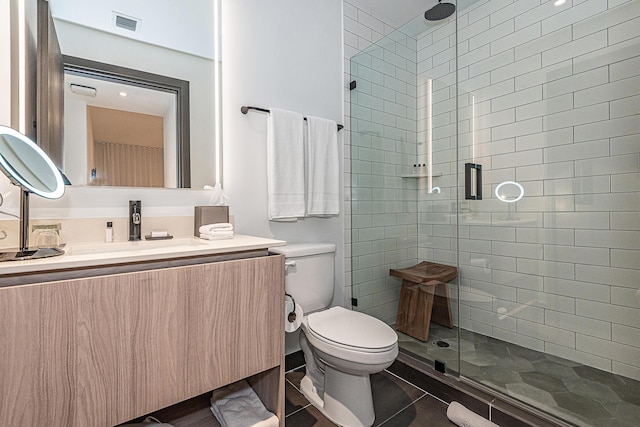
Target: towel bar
245	109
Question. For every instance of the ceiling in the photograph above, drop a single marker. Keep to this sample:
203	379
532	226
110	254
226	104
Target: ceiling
166	23
395	12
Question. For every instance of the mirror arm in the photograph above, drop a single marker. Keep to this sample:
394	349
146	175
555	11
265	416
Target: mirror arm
24	220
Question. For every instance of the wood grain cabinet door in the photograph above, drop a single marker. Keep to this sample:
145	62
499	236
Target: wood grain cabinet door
100	351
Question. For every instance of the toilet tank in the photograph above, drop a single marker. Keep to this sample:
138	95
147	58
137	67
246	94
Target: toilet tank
309	271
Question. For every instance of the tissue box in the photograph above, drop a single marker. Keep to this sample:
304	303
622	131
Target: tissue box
209	215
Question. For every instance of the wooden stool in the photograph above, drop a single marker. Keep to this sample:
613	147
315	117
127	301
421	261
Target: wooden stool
424	296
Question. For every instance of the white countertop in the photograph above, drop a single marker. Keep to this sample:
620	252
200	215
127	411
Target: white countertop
98	254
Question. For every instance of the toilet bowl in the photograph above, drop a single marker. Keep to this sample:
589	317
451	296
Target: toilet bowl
342	348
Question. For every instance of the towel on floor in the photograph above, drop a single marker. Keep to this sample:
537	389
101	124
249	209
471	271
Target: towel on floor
237	405
285	165
463	417
323	167
222	226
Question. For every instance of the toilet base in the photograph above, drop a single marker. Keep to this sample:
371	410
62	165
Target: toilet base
347	399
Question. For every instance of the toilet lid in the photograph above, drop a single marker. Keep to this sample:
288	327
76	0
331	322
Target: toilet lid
351	328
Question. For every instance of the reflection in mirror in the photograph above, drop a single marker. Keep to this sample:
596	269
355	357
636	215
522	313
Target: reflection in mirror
28	166
134	35
135	124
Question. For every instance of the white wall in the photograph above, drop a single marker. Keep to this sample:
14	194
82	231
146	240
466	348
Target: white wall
287	54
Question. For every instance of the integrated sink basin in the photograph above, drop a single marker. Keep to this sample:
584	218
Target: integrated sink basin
170	245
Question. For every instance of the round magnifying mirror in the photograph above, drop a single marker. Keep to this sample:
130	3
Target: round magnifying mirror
509	191
28	166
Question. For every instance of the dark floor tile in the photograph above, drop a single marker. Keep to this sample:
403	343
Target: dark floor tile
582	406
293	360
391	395
427	411
439	389
599	376
517	418
543	381
308	417
630	393
294	377
293	399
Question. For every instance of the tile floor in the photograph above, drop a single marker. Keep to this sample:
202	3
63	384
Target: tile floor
578	394
396	403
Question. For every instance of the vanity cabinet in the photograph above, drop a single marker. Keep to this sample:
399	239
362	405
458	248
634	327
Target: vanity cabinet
102	350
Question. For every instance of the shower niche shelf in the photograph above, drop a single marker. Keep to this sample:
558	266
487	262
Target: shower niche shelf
422	175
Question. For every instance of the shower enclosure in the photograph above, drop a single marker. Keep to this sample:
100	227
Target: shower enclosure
536	106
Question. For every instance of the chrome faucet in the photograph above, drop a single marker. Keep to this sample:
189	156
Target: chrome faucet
135	220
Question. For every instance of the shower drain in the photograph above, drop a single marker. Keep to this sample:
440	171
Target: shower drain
441	343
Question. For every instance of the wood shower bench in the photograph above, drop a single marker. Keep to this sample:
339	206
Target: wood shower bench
424	297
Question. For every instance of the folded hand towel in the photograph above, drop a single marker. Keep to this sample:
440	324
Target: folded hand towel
217	235
285	165
323	167
219	226
237	405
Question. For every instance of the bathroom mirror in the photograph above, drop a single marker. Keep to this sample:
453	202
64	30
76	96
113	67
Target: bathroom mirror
134	36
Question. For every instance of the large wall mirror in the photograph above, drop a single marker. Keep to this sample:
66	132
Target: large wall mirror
141	92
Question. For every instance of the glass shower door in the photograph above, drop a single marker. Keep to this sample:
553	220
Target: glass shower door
549	236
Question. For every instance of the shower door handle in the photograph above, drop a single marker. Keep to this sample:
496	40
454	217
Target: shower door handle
472	175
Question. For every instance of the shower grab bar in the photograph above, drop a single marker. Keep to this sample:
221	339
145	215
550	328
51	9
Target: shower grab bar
245	109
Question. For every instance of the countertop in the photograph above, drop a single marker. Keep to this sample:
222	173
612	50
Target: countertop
99	254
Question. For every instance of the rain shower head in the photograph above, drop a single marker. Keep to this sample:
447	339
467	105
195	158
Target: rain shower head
440	11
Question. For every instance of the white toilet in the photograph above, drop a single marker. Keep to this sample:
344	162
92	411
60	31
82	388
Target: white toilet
341	347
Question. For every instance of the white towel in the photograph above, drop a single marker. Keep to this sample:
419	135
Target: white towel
323	167
237	405
217	235
285	165
463	417
223	226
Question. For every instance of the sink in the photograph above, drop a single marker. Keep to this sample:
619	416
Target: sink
140	246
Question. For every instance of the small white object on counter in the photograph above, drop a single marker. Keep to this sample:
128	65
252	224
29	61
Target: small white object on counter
218	231
157	234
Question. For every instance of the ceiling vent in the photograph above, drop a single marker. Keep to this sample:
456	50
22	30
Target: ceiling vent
126	22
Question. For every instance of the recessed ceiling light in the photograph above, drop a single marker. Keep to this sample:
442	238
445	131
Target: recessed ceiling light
560	2
123	94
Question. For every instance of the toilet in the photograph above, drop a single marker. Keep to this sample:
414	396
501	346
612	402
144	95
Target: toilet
341	347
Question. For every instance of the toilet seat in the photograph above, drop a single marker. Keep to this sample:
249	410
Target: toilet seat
352	330
331	340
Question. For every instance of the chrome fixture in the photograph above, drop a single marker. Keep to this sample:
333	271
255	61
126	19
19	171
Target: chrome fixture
135	220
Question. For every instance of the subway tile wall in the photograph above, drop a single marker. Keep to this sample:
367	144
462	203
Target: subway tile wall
549	97
381	112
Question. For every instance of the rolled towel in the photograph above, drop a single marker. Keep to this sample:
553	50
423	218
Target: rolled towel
217	235
237	405
463	417
222	226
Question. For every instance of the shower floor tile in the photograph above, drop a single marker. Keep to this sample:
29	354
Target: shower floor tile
578	394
